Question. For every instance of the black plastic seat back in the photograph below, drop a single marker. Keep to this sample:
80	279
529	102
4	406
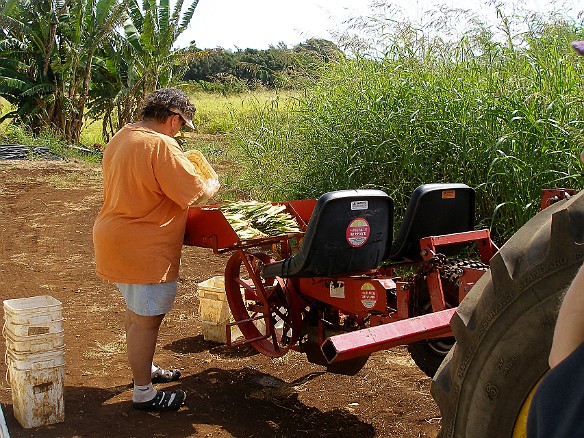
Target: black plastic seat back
349	232
433	210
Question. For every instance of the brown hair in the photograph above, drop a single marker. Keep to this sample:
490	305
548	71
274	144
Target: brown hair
159	104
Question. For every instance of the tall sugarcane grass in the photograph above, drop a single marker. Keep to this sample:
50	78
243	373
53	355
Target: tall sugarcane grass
506	120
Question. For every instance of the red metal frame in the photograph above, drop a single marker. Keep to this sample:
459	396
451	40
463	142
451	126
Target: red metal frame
207	227
366	341
551	196
483	238
432	325
429	246
356	295
399	327
368	301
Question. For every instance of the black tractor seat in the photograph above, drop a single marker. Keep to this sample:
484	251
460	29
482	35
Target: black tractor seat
349	232
434	210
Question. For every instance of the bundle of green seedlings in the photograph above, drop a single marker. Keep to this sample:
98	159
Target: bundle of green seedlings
253	219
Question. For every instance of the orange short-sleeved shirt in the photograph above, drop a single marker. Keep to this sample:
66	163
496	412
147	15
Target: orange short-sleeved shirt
148	185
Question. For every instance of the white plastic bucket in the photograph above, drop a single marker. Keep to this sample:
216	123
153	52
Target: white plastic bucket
37	387
214	311
48	327
34	343
32	310
35	361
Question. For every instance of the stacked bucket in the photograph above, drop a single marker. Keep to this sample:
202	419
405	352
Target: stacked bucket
214	311
35	359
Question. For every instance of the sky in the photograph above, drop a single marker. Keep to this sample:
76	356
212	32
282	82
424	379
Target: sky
260	23
240	24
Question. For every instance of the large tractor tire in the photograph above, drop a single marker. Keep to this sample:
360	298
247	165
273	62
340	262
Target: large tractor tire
504	327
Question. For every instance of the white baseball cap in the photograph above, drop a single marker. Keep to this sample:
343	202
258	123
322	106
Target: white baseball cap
188	121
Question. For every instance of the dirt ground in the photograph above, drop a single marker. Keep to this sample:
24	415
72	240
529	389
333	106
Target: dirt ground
46	216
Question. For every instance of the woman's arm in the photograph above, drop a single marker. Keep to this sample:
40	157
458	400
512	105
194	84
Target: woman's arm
569	331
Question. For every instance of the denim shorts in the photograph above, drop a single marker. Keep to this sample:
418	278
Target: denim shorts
149	299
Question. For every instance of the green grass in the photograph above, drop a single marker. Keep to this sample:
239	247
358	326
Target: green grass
219	114
4	108
217	121
506	121
92	134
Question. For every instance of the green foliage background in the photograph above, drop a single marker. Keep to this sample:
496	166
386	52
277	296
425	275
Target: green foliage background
504	119
502	113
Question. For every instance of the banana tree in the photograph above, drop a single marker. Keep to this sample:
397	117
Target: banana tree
47	49
28	46
91	24
113	95
152	33
141	62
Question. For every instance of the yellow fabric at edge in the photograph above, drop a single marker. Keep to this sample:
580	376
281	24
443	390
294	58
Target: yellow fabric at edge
148	186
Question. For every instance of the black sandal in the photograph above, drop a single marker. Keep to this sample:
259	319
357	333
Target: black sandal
163	401
165	376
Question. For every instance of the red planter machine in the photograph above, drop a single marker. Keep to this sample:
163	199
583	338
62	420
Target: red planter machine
344	287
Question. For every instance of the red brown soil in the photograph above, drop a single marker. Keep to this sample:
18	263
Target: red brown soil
46	216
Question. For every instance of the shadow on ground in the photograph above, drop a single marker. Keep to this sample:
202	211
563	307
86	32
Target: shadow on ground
197	344
239	403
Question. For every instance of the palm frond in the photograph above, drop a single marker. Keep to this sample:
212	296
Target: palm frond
15	27
133	37
163	17
149	36
116	16
12	45
13	68
39	89
135	13
188	15
15	85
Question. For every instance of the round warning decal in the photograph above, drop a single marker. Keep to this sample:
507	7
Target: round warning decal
358	232
368	295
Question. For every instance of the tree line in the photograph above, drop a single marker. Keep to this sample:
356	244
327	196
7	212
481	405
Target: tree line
275	67
62	61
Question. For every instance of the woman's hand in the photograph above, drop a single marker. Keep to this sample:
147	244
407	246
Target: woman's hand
211	187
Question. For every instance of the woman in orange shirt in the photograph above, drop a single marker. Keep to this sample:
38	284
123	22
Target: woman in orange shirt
138	234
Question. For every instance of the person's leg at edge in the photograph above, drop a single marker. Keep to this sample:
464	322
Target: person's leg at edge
141	337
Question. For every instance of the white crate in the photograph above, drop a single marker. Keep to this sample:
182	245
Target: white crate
217	332
212	289
34	311
49	327
37	382
214	311
34	343
213	306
